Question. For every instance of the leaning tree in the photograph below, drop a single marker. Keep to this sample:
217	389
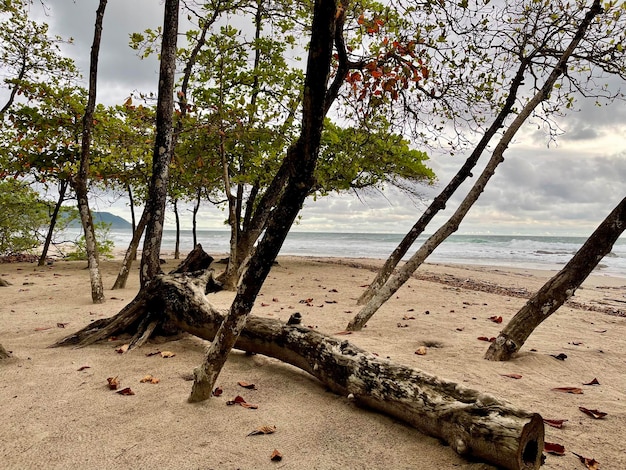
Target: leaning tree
561	287
590	42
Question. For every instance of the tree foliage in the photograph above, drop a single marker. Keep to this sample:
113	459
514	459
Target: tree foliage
23	214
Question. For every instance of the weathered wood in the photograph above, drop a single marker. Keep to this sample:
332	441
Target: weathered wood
196	260
4	283
476	425
560	288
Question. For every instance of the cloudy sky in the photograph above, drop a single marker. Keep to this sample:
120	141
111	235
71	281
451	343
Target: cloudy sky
567	187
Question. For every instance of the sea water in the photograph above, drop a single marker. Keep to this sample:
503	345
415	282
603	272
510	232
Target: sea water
518	251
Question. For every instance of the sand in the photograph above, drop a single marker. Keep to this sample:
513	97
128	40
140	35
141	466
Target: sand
58	413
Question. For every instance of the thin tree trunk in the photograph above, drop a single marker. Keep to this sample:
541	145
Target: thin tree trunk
452	225
162	156
63	184
131	253
301	179
80	182
561	287
177	218
194	217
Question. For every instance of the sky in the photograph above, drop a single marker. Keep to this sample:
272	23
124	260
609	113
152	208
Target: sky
564	188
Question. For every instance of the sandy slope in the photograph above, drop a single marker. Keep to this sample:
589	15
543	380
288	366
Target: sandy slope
57	416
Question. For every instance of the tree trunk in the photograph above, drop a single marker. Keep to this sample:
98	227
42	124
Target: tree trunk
497	157
131	253
4	354
177	218
561	287
301	179
162	155
63	184
131	203
4	283
476	425
80	182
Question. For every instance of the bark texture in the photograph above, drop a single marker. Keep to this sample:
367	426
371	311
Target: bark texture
476	425
131	253
162	155
560	288
80	181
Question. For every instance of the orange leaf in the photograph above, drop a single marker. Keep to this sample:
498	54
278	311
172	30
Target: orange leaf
421	351
512	376
263	430
555	423
484	338
574	390
553	448
496	319
249	405
122	349
149	379
591	464
276	456
167	354
593	413
247	385
126	391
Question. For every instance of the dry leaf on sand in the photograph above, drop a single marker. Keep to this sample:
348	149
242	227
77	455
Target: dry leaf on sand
263	430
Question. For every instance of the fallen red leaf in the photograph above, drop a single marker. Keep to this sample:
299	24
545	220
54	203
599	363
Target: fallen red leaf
554	448
276	456
593	382
593	413
512	376
218	391
484	338
574	390
83	368
263	304
126	391
555	423
560	357
122	349
113	382
591	464
496	319
247	385
62	325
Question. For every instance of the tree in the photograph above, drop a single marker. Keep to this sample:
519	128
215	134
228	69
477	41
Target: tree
542	95
561	287
22	216
28	54
157	191
80	180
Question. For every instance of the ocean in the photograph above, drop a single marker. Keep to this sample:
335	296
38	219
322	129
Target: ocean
518	251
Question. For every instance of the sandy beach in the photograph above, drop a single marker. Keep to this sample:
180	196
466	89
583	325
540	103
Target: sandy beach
58	412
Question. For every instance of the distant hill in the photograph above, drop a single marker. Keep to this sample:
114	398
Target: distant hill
115	221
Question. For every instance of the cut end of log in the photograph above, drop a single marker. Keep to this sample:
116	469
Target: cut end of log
531	444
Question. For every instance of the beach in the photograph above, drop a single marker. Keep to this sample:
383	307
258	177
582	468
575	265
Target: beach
58	411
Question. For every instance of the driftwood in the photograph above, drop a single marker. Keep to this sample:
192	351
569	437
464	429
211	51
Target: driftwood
4	283
474	424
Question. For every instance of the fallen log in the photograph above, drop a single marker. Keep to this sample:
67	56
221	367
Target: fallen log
476	425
